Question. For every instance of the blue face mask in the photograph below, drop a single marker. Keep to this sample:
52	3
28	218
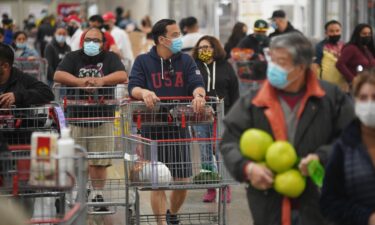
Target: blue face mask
60	38
91	48
176	45
277	76
21	45
274	25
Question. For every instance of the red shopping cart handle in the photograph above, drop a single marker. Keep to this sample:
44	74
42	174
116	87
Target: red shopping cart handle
173	98
19	147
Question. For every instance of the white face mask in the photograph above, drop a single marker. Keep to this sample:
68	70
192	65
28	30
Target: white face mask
365	111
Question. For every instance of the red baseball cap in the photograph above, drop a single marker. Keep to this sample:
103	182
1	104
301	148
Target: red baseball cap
109	16
71	18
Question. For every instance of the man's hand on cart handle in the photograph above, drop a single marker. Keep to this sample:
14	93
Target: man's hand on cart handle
7	99
83	82
96	82
199	100
150	98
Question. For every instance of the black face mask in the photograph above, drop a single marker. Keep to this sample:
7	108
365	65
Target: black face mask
260	37
105	27
333	39
71	30
365	40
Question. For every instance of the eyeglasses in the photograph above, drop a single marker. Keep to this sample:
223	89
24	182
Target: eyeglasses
204	47
95	40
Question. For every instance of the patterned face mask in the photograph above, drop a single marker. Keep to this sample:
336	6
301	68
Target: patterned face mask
205	55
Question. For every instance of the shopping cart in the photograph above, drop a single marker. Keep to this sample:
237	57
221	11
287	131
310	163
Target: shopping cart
164	143
17	124
37	67
19	167
14	185
93	115
250	69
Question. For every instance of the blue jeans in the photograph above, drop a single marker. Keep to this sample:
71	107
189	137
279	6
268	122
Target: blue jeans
206	147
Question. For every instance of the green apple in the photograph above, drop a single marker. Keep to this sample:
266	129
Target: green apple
281	156
254	144
290	183
263	163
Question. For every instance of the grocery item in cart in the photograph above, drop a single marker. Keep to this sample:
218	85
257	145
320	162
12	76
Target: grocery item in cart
66	157
186	113
43	169
156	171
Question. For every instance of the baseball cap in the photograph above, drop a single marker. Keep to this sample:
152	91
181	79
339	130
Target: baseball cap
109	16
73	18
7	21
260	25
278	14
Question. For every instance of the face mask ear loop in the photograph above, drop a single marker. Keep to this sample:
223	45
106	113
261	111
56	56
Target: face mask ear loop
162	68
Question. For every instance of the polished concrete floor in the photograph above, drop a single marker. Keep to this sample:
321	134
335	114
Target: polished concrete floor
194	210
237	210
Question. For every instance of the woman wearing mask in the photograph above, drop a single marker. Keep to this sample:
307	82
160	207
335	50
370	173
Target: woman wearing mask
358	54
55	51
238	33
22	50
348	194
220	81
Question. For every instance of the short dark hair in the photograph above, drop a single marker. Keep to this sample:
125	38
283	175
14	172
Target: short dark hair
96	18
160	28
181	24
219	52
18	33
6	54
190	22
95	28
329	23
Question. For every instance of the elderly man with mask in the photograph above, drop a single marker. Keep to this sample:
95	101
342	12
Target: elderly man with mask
293	106
93	66
281	24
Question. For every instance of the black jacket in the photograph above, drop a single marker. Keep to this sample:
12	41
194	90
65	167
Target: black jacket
54	53
288	29
27	90
321	122
251	42
226	84
348	193
257	64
